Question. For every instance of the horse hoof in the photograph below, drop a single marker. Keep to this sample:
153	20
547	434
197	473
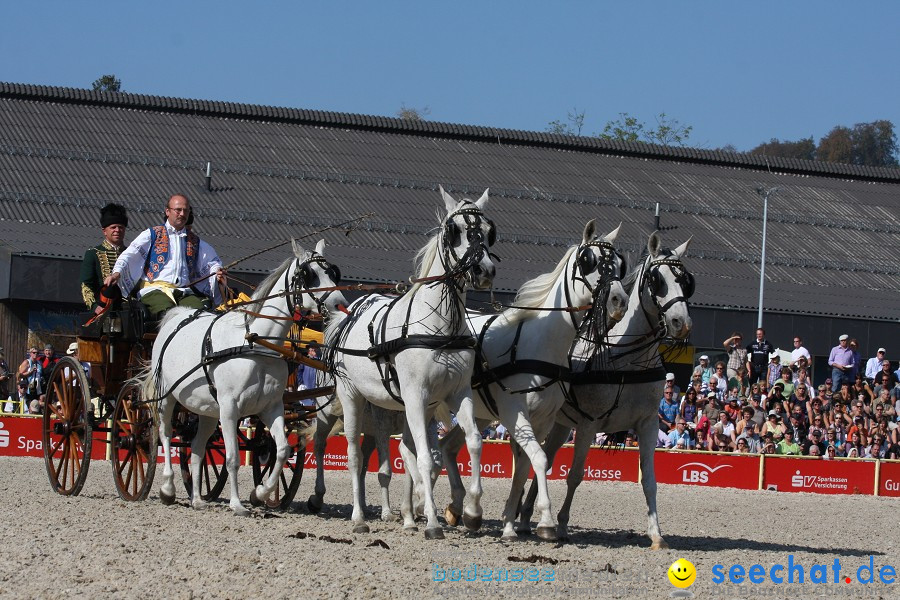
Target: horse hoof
314	505
241	512
509	537
165	498
434	534
361	528
659	544
523	531
547	534
472	523
451	516
389	517
199	505
410	528
254	499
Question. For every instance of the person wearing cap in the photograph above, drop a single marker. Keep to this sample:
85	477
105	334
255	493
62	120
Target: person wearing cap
788	445
169	264
758	356
885	376
98	261
711	410
874	364
773	424
754	442
680	435
799	352
703	370
670	382
773	369
841	362
737	354
72	351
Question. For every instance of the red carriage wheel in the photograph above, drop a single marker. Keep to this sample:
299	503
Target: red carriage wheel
134	442
67	427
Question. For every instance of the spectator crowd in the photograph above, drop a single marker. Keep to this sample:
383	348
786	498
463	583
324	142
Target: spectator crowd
752	403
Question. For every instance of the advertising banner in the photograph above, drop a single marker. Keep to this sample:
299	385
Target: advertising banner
819	476
889	485
601	464
22	436
711	470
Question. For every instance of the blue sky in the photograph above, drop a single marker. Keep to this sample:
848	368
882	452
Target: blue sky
739	72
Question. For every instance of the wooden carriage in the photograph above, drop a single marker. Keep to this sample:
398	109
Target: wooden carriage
96	399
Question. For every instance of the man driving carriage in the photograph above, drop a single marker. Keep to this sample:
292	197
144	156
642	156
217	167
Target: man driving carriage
169	264
98	261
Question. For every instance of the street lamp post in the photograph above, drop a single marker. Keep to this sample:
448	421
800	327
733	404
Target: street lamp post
765	193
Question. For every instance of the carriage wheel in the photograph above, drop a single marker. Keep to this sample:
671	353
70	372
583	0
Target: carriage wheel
135	437
262	457
213	474
66	429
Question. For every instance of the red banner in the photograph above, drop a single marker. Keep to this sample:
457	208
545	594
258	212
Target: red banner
600	464
22	436
712	470
889	484
819	476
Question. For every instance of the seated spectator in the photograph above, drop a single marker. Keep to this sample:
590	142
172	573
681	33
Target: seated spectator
750	438
854	447
630	440
754	393
670	382
662	439
668	410
775	397
711	410
876	449
828	393
702	442
742	446
680	435
801	375
732	408
797	426
772	425
769	446
817	425
861	387
893	452
703	371
831	437
788	446
758	415
787	383
839	416
814	442
727	426
721	442
844	396
832	451
814	408
688	407
740	382
718	390
745	417
853	453
800	396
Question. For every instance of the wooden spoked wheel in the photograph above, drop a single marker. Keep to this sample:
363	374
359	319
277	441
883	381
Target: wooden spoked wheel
213	474
262	458
134	441
67	428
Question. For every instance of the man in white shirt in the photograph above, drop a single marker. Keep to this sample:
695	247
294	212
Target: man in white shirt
873	365
797	352
169	264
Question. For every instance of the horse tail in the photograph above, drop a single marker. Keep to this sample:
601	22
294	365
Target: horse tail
305	434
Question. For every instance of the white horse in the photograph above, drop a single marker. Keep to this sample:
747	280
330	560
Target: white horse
204	362
523	360
414	351
626	396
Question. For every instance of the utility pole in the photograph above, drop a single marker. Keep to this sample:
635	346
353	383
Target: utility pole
765	193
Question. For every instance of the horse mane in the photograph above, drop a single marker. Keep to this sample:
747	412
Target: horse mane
534	292
264	288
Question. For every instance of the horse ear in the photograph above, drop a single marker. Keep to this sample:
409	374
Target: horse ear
612	235
449	201
298	251
320	248
680	250
482	202
590	230
654	244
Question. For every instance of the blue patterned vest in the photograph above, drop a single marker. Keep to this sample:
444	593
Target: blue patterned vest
159	252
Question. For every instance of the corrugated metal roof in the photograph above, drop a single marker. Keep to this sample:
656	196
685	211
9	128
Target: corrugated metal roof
832	231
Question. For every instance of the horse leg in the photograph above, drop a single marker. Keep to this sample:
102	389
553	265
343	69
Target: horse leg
647	447
525	437
450	445
233	456
167	488
274	420
324	423
521	465
586	432
352	416
417	423
552	443
465	416
382	439
407	509
205	428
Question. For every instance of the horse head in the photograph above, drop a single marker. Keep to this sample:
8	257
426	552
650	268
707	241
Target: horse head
669	286
310	274
466	238
598	268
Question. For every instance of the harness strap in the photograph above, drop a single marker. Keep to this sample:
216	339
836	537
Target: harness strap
481	367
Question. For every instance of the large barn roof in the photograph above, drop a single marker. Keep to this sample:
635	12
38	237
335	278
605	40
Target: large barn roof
832	241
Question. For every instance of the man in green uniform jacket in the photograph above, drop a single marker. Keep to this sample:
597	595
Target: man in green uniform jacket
98	261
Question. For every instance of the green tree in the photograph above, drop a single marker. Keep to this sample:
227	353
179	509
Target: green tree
804	149
874	144
573	126
107	83
668	131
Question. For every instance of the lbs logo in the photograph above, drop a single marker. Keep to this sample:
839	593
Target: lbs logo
698	472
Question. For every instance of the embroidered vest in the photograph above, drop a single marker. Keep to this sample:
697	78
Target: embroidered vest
159	252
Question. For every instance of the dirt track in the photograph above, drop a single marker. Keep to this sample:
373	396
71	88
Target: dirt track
97	546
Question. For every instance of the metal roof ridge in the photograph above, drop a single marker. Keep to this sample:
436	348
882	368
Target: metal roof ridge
267	113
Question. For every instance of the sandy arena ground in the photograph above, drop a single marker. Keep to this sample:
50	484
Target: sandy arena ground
97	546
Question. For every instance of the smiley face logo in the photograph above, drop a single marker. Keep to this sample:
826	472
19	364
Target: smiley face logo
682	573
